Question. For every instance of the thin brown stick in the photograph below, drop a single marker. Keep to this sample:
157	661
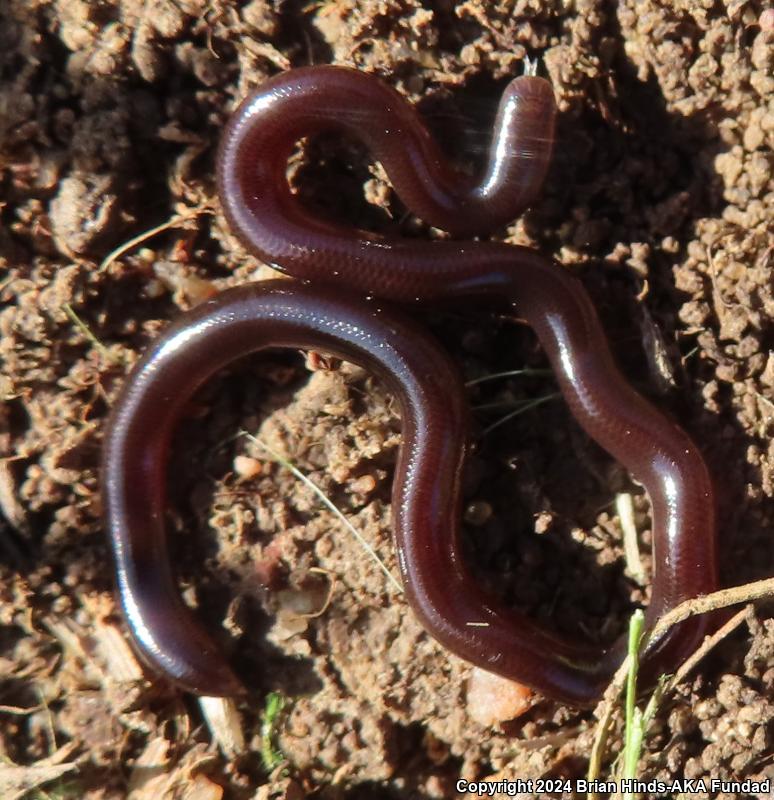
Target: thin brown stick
747	593
708	644
598	747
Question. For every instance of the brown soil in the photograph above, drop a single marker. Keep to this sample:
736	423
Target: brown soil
659	199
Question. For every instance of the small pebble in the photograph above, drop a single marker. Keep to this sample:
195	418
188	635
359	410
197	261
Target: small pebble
493	699
246	467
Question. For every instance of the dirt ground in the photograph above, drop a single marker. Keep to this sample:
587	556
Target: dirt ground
659	199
